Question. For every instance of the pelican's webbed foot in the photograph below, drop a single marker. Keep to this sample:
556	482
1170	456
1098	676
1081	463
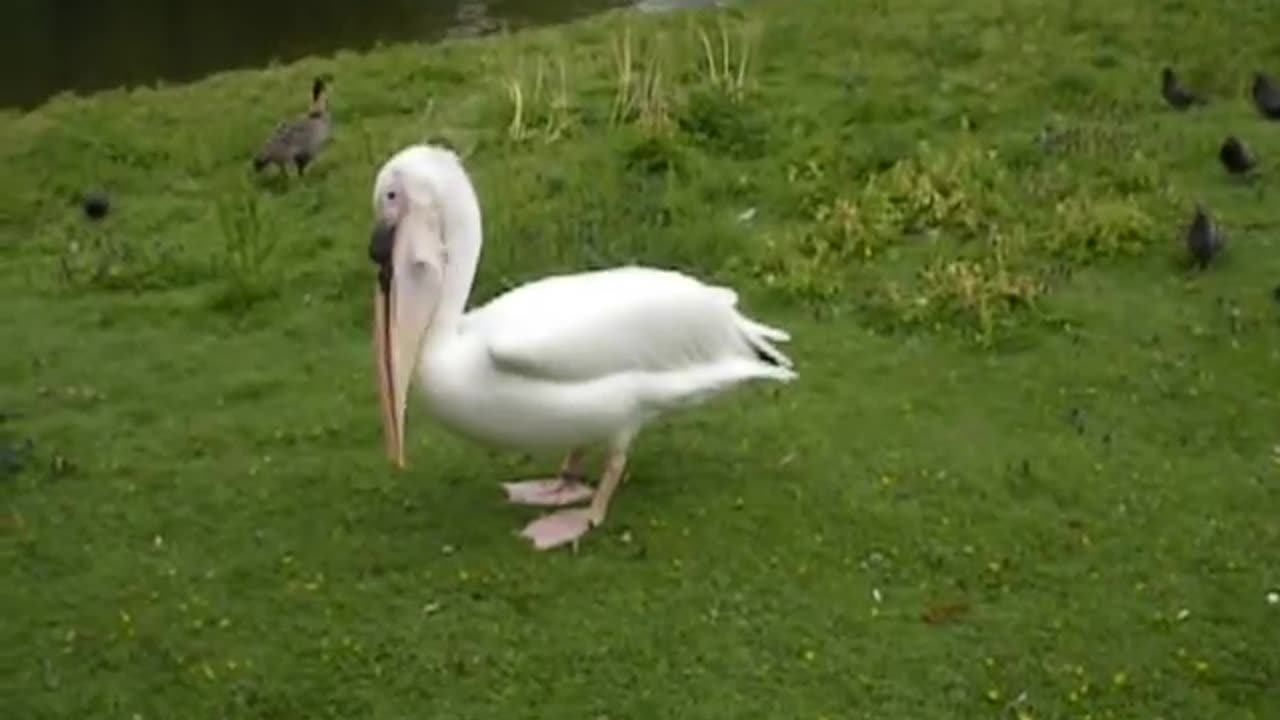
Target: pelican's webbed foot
552	492
558	528
565	489
567	526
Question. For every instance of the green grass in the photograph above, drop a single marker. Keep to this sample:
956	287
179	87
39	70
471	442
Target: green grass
1029	469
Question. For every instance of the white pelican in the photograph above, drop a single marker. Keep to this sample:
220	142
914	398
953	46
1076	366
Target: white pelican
556	364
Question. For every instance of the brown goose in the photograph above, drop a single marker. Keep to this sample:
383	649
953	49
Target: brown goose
299	141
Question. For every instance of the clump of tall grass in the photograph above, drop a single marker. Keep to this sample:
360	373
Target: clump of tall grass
244	262
543	111
642	84
726	59
101	257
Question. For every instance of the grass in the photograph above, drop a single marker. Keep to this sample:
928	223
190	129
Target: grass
1029	470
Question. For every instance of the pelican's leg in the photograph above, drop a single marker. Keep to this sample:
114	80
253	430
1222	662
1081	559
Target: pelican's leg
566	488
567	526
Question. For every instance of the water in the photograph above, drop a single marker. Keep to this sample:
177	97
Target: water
48	46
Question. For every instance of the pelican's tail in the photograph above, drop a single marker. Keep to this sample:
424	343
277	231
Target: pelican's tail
760	361
758	337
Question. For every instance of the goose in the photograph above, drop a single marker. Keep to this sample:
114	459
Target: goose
559	364
299	141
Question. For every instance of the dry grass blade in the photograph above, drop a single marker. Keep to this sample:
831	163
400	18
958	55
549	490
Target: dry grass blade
726	67
945	613
623	102
545	111
515	128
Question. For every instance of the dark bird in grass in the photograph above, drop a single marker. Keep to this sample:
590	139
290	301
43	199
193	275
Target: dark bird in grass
1204	240
13	455
298	141
1266	97
1177	96
1235	157
95	204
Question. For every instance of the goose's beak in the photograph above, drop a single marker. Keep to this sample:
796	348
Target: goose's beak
405	300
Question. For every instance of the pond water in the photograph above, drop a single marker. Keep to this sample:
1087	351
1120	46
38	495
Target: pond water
49	46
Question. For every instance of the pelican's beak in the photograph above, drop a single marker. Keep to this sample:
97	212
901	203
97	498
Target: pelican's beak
404	302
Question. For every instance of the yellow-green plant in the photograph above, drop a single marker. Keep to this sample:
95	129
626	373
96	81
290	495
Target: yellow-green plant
726	62
641	95
545	111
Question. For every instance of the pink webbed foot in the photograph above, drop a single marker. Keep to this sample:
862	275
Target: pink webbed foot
556	529
556	492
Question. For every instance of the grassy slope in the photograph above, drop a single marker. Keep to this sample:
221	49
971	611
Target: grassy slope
207	526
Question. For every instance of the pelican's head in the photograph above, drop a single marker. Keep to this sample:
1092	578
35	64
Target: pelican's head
408	247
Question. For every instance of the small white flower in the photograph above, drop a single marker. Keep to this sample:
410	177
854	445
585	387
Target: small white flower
875	594
1183	614
1273	598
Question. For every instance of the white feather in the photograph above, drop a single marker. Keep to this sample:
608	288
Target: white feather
631	319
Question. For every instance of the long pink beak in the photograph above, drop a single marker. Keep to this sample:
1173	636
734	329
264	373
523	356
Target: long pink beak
382	342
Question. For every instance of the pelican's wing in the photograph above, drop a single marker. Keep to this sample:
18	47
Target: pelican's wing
576	328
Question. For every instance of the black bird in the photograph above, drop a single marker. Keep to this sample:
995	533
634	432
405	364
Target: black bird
1266	97
1203	239
1177	96
1235	157
96	204
13	454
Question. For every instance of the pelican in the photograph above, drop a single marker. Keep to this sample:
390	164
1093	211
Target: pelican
558	364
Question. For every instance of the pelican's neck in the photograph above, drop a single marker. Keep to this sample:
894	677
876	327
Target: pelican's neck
459	217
